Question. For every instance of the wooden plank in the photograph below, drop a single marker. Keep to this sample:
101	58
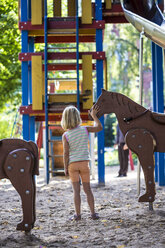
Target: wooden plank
57	8
86	12
87	84
65	85
36	12
43	84
108	4
63	98
62	55
71	7
37	83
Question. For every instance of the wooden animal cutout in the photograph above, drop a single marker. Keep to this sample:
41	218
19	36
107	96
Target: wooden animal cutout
144	133
19	163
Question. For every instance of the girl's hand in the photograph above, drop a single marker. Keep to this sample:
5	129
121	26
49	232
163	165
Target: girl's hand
94	111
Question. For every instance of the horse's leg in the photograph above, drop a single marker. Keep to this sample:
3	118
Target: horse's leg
142	143
19	166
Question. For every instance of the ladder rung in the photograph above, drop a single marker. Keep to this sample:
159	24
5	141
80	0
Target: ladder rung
55	156
62	79
61	19
58	48
53	141
61	32
56	170
52	125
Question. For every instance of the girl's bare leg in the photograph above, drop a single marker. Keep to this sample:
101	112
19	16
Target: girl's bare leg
90	197
77	198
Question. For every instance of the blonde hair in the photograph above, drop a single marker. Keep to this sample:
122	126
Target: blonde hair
70	118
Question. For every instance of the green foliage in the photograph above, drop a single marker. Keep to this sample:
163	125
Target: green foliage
121	44
5	130
10	69
10	122
109	132
111	157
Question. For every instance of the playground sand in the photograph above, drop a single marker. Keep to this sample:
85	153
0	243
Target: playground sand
124	222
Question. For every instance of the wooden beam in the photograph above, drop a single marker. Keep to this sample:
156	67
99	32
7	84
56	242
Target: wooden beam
71	8
86	12
87	84
36	12
108	4
37	83
57	8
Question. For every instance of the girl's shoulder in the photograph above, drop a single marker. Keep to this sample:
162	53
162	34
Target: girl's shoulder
65	135
85	129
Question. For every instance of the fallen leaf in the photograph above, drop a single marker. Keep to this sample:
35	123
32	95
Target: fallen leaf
117	227
75	237
128	205
104	221
37	228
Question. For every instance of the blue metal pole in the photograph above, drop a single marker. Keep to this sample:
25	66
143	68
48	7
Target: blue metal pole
160	108
153	47
31	118
24	76
77	55
46	89
29	9
99	78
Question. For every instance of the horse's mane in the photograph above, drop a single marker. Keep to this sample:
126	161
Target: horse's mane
123	100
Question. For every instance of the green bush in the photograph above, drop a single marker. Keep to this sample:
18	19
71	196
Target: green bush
5	129
109	130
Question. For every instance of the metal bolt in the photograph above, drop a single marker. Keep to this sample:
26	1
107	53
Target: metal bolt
133	136
22	170
149	167
27	158
26	225
14	155
150	182
27	192
150	197
9	167
139	146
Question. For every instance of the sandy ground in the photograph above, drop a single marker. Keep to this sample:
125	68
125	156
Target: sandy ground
123	221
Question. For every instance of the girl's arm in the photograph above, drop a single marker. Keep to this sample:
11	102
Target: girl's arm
65	154
98	126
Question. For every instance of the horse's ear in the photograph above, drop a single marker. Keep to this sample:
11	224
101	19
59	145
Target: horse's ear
102	90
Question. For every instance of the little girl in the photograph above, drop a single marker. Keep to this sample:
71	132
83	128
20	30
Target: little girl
76	155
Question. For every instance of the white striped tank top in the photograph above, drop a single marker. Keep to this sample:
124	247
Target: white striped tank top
78	144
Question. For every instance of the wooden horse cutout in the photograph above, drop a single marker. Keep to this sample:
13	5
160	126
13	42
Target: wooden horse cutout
19	164
143	129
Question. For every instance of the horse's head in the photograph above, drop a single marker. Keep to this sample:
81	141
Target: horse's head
104	103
